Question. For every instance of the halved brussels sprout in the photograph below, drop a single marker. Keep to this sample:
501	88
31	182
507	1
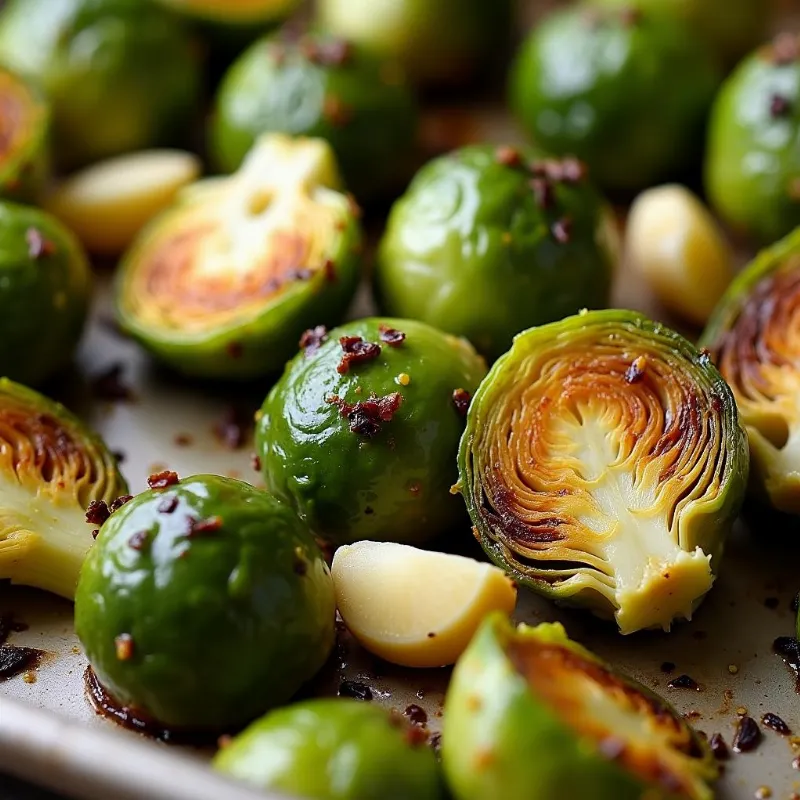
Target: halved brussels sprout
603	464
361	431
24	126
234	13
442	42
120	76
51	469
319	86
488	241
334	750
223	284
531	715
752	169
753	339
45	289
626	91
204	603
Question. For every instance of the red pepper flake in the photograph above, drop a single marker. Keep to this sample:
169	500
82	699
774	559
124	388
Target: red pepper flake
168	505
747	737
38	246
719	747
161	480
356	351
110	386
255	461
785	49
233	429
202	527
119	502
775	723
635	372
366	416
543	192
562	230
313	339
391	336
508	156
234	350
139	540
97	512
123	644
336	111
461	400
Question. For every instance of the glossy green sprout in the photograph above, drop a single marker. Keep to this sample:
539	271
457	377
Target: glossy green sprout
752	169
625	91
753	338
603	465
334	750
51	468
204	603
319	86
531	715
121	75
488	241
223	284
360	434
45	288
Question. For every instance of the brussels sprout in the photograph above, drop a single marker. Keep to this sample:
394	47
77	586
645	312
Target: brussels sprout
223	284
121	76
626	92
489	241
204	603
442	42
319	86
361	431
334	750
24	125
729	27
752	170
603	464
45	288
753	340
531	715
51	469
236	14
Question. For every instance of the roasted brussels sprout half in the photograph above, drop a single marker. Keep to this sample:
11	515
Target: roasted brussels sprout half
224	283
361	431
319	86
24	126
234	14
45	288
752	338
489	241
120	75
51	469
730	27
203	603
752	170
443	42
603	464
625	91
531	715
334	750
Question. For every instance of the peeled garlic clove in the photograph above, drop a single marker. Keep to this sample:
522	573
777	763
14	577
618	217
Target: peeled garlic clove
415	607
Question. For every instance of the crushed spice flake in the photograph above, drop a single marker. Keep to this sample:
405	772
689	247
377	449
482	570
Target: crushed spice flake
684	682
356	690
233	428
234	349
391	336
461	400
161	480
123	646
508	156
747	737
204	527
97	512
719	747
38	245
775	723
336	112
779	106
366	416
635	372
168	505
255	461
562	230
120	501
109	385
356	351
566	170
139	540
95	533
543	192
312	339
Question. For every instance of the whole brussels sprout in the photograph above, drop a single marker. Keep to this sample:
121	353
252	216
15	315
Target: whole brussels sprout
531	715
51	469
121	75
442	42
361	431
752	337
625	91
24	126
223	284
45	289
333	750
489	241
603	465
319	86
729	27
203	603
752	170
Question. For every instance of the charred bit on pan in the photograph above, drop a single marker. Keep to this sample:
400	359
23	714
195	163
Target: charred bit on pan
391	336
356	351
684	682
775	723
356	690
668	666
161	480
233	428
461	400
38	246
747	737
416	715
719	747
312	339
109	385
14	660
788	648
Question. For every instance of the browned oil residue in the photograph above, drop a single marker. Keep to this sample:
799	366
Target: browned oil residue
132	719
